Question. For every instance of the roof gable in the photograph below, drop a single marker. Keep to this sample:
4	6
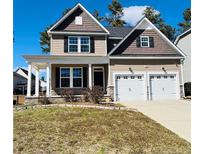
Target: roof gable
143	24
182	36
24	72
67	22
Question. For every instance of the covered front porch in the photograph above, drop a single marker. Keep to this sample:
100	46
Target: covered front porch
67	72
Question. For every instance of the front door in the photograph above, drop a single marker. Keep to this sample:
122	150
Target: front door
98	74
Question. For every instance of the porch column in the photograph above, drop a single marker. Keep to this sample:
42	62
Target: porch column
90	75
47	80
37	83
29	80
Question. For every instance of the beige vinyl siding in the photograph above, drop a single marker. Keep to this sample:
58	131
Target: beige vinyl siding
57	42
142	65
57	45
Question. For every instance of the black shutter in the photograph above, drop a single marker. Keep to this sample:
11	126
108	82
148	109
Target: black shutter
151	42
85	77
92	45
138	42
66	44
57	77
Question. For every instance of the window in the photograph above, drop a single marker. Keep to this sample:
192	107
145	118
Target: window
77	77
85	44
71	77
65	77
73	44
132	77
144	40
79	44
118	77
139	77
172	77
158	77
78	20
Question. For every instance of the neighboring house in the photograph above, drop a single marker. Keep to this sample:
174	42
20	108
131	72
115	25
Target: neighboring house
20	82
130	63
183	42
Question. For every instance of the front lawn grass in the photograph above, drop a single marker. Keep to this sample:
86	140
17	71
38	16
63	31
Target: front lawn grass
77	130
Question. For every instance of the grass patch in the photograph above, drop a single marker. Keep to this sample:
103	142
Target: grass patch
77	130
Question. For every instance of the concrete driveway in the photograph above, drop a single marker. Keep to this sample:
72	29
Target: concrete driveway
174	115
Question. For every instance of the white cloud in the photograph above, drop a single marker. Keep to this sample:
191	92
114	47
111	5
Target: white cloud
133	14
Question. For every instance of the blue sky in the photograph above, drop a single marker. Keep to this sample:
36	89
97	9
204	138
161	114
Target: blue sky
31	17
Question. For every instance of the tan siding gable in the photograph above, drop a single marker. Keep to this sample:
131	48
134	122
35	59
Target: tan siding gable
89	25
129	46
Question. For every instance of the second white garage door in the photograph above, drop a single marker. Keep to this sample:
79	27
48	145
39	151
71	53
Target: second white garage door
130	87
163	87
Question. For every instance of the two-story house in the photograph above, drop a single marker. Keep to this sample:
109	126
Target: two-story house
130	63
183	42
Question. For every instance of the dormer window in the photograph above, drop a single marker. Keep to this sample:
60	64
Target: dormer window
144	40
78	20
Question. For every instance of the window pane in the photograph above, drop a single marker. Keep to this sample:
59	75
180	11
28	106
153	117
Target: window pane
65	82
77	72
73	48
65	72
84	48
73	40
84	40
144	44
144	39
77	82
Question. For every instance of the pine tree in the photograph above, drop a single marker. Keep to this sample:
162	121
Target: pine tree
186	24
45	41
96	14
156	19
114	19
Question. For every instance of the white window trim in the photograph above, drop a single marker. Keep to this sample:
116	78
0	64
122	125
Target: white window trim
141	41
71	77
78	44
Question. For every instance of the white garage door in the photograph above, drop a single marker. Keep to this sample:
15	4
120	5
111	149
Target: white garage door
163	87
130	87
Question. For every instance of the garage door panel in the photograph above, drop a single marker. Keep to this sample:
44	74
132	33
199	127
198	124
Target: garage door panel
163	87
130	87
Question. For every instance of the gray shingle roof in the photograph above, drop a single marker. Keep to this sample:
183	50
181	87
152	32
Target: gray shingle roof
118	31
